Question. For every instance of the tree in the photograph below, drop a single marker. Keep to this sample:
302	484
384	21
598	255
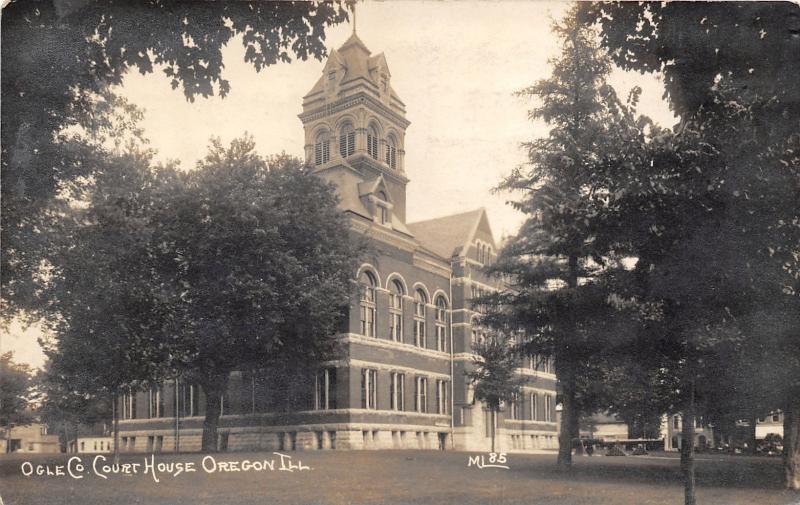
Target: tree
57	55
256	264
556	261
494	374
729	73
98	301
15	393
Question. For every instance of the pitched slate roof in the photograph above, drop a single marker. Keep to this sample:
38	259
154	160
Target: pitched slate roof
447	236
355	59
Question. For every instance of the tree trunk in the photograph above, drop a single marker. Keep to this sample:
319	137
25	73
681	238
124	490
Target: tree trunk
568	418
115	414
213	387
751	435
791	444
494	426
687	454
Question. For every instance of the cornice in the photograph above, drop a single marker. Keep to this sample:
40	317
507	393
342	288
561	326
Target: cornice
360	98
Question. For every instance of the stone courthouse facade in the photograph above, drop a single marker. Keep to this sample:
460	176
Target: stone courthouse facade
399	382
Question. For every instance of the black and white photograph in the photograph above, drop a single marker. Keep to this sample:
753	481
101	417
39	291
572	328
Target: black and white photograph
394	252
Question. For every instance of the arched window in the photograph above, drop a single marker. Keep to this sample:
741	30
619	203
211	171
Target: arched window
420	301
368	284
372	142
322	148
396	311
347	140
391	152
441	324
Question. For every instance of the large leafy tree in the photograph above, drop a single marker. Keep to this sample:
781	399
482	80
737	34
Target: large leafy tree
15	393
732	213
494	374
58	54
557	260
256	262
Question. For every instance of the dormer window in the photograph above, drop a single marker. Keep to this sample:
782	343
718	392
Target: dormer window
372	142
322	148
383	212
347	141
391	153
332	75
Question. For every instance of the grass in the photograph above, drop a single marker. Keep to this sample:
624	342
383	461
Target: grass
403	477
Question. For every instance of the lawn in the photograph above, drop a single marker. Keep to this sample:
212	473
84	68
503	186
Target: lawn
388	477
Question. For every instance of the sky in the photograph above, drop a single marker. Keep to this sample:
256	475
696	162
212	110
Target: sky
456	66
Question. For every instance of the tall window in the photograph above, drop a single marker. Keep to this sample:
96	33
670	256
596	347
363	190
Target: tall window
442	396
397	391
129	405
155	403
391	152
367	305
421	394
347	141
548	408
369	382
441	324
478	332
322	148
534	407
396	311
325	394
383	212
515	408
188	400
372	142
420	301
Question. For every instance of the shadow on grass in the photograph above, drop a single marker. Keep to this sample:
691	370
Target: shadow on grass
728	472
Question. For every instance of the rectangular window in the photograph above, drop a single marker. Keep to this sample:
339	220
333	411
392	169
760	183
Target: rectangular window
421	394
534	407
397	391
155	403
129	405
188	400
325	397
676	422
442	396
441	338
419	324
515	408
369	380
548	408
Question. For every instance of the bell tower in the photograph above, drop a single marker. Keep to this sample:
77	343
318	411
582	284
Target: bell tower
355	122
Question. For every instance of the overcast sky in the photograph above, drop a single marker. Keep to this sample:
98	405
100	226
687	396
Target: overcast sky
455	65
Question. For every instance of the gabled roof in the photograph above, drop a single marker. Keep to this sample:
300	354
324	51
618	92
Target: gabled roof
356	61
449	236
373	186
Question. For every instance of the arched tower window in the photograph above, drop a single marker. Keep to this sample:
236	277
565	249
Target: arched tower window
396	293
441	324
367	305
322	148
372	142
391	152
420	301
347	140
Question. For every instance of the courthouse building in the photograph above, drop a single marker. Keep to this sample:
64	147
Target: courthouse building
399	381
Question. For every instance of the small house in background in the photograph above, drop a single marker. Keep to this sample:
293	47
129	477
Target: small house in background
92	438
33	438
